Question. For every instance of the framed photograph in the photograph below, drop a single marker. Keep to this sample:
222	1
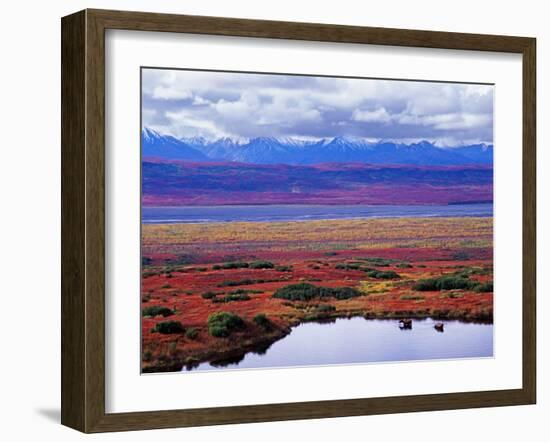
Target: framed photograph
268	220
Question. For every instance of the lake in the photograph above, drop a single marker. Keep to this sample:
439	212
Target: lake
269	213
358	340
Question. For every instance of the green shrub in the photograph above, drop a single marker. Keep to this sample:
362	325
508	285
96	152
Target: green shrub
388	274
306	292
237	283
209	295
245	292
231	298
222	324
453	295
485	287
283	268
261	320
403	265
473	271
169	327
412	297
245	282
325	308
445	282
230	265
261	265
348	266
157	310
379	262
166	286
191	333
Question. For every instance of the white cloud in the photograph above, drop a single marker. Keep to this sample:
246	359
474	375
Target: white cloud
248	105
379	115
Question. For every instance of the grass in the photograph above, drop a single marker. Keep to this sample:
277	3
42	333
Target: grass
191	333
222	324
412	297
307	292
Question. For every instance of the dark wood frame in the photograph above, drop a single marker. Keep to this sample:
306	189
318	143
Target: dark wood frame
83	216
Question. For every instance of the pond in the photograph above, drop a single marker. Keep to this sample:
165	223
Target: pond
358	340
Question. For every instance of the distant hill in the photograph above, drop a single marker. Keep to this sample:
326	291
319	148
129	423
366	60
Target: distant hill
270	150
176	183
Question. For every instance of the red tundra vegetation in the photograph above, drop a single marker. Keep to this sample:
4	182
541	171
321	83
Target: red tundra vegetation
212	292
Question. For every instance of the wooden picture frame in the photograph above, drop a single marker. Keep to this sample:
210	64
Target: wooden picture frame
83	219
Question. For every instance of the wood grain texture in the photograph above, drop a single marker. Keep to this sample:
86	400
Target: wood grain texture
83	220
73	253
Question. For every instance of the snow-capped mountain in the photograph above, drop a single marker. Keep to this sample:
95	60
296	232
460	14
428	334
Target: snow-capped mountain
288	150
156	145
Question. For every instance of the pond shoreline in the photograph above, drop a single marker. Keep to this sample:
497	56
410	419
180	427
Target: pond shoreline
260	343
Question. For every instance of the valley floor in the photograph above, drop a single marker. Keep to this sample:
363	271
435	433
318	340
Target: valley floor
374	268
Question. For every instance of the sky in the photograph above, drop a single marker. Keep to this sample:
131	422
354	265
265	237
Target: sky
241	106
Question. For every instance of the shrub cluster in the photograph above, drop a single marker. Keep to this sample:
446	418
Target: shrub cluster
261	265
378	274
412	297
245	292
452	282
348	266
157	310
231	298
484	287
169	327
261	320
209	295
222	324
247	281
191	333
379	262
230	265
244	265
325	308
403	265
307	292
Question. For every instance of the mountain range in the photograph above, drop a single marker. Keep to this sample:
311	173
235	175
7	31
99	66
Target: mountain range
292	151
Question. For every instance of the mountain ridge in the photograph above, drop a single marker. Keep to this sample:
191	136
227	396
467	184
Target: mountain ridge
288	150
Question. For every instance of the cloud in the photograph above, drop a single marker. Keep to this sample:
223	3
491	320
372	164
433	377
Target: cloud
213	104
379	115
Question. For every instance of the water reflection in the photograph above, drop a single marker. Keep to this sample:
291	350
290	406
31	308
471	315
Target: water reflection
359	340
